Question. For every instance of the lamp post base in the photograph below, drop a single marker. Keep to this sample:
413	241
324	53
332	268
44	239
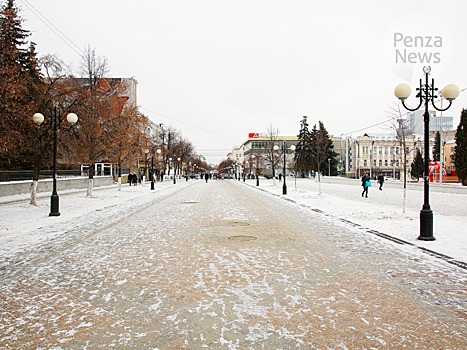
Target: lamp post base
284	189
54	205
426	225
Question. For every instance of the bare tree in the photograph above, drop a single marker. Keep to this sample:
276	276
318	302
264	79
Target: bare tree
93	118
405	140
269	155
125	131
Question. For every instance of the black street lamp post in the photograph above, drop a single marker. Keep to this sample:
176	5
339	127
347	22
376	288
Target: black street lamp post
284	150
426	94
146	170
252	162
179	166
158	151
55	123
151	173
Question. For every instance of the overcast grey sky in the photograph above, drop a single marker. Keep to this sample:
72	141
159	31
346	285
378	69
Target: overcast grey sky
220	69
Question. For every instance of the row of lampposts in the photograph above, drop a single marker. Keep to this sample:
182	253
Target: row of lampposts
284	169
172	163
56	123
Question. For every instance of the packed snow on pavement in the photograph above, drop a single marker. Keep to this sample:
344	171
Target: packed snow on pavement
22	225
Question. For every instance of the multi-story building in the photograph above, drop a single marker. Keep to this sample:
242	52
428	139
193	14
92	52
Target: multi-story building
414	122
340	147
385	154
258	155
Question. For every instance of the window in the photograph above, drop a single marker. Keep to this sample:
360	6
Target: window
364	163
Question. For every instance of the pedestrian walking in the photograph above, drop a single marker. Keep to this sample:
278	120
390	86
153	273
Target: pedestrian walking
381	181
206	177
280	177
130	178
365	184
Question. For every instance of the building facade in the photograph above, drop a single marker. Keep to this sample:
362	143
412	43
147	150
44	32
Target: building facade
259	156
415	125
385	154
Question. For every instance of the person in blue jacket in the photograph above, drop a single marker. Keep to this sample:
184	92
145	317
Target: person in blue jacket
365	179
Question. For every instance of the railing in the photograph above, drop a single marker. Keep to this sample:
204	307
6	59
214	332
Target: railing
20	175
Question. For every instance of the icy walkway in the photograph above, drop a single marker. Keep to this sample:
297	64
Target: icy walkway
219	266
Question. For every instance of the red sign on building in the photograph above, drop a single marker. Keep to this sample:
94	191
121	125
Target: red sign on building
253	135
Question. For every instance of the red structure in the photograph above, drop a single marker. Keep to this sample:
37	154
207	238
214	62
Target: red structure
435	168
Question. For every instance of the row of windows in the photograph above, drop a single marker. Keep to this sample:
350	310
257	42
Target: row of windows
386	150
386	163
269	144
381	150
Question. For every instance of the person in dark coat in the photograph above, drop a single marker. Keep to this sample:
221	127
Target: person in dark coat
130	178
365	178
381	181
206	177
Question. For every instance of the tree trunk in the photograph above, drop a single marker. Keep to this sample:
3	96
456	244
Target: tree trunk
404	200
33	192
90	186
319	181
119	180
405	183
90	180
35	178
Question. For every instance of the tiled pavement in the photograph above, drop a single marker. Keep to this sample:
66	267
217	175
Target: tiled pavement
221	266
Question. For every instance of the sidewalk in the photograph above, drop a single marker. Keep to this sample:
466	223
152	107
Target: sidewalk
23	225
224	265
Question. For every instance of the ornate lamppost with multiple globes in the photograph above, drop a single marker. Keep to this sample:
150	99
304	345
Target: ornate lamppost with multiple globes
151	173
146	152
426	93
161	171
55	122
284	150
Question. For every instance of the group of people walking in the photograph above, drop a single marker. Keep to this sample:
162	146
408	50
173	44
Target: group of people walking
366	183
133	179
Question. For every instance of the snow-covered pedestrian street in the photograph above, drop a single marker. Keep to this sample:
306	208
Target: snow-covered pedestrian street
228	265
